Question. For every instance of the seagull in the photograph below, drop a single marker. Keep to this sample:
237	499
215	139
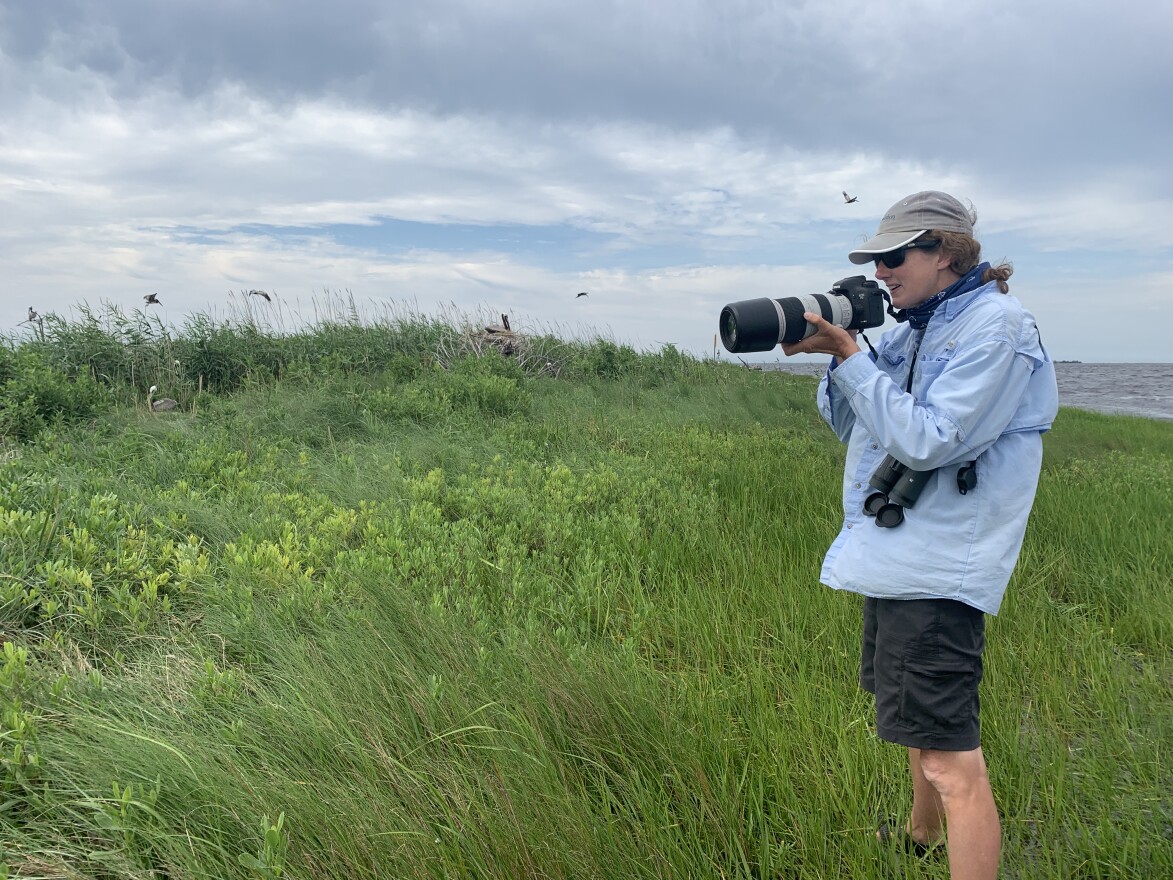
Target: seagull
163	404
582	293
849	199
33	314
260	293
152	299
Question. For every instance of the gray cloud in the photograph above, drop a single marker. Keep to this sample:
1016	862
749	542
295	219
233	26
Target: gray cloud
1063	85
148	143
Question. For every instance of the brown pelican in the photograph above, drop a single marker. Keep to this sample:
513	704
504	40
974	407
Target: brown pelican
260	293
849	199
163	404
152	299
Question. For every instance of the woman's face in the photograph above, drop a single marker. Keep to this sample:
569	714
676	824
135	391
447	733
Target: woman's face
923	274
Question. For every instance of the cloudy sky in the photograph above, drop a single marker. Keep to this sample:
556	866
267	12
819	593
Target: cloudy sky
499	156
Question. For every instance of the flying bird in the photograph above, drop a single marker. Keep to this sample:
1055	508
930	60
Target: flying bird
163	404
260	293
152	299
849	199
581	293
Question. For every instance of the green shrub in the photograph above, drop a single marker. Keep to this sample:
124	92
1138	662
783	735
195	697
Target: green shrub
35	396
7	364
490	385
606	360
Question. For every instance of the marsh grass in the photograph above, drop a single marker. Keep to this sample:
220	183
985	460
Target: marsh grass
400	618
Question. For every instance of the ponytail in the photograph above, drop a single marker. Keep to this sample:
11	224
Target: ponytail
1000	273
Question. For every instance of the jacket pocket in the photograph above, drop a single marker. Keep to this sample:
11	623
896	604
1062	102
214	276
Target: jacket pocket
930	364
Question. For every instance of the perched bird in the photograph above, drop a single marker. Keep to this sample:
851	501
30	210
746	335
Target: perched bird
260	293
582	293
503	327
152	299
32	314
849	199
163	404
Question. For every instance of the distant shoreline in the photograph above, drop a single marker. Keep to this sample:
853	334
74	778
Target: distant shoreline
1140	389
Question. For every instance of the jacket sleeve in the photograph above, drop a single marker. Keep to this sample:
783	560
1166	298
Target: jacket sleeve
833	406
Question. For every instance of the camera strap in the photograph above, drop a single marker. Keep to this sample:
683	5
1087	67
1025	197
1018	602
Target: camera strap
899	316
875	354
920	337
967	474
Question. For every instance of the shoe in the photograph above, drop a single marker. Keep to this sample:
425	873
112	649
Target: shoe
890	831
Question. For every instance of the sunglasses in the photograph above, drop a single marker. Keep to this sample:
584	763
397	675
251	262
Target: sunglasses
895	258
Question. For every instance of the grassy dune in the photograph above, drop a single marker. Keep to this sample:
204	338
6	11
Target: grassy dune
379	601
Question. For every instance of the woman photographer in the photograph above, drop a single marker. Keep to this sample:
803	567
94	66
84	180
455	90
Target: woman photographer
962	389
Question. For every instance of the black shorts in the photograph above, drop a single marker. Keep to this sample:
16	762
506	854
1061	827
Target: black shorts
922	658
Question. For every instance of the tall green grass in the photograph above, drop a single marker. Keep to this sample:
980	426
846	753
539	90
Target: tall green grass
439	612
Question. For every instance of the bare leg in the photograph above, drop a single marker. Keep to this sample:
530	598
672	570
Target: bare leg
975	833
927	821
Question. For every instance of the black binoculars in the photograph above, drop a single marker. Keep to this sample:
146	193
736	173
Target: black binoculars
897	487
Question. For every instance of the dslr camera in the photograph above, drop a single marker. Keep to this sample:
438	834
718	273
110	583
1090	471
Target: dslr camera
854	303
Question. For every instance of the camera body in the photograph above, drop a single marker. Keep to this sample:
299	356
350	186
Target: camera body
854	303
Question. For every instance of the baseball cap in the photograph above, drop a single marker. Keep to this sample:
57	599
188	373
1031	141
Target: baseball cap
913	216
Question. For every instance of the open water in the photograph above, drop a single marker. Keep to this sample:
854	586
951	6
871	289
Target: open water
1126	389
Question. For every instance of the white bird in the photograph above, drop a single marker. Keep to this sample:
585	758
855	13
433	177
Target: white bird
32	314
849	199
163	404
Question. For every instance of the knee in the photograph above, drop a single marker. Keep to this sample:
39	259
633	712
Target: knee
954	774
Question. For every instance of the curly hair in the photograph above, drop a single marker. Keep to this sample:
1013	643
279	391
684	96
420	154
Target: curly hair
965	252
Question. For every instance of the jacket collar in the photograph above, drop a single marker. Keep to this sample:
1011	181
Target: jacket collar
951	308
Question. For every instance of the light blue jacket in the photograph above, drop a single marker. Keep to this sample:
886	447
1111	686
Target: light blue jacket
984	388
